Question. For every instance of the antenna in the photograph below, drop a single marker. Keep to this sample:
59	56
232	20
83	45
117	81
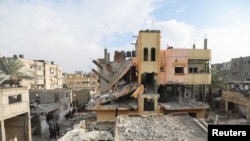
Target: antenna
205	35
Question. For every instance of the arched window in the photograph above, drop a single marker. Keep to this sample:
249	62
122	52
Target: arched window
153	54
145	54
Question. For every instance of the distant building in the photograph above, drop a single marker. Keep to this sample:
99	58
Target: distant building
81	84
48	75
238	69
15	114
80	80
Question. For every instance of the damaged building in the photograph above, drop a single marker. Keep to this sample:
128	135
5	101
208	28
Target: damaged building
236	97
150	80
48	107
15	114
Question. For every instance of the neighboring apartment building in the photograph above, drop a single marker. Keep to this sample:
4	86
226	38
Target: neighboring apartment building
80	80
81	84
15	114
188	67
238	69
48	75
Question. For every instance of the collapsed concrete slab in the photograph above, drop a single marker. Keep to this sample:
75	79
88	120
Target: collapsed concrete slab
162	81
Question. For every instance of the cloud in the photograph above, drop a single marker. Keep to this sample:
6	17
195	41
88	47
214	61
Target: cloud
73	33
228	42
225	42
70	33
181	9
176	34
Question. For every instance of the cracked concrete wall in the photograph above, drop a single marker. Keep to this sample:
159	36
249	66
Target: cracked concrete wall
51	96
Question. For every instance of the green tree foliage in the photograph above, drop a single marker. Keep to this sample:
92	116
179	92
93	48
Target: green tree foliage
217	79
217	85
12	72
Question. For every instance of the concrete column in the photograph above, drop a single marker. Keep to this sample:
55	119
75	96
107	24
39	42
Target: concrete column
29	127
248	111
179	91
156	105
193	92
226	105
205	93
3	130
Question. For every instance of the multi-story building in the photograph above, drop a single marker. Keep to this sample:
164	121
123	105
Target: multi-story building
47	74
80	80
168	80
81	84
238	69
15	114
173	71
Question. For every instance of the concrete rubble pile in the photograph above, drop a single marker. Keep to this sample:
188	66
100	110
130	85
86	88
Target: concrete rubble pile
159	128
186	102
79	133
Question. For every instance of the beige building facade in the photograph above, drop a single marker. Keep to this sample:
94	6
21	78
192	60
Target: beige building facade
80	80
15	114
47	74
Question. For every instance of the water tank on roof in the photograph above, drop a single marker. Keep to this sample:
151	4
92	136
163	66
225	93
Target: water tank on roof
21	56
128	54
133	53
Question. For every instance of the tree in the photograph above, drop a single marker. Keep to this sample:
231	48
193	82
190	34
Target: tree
12	71
217	82
217	79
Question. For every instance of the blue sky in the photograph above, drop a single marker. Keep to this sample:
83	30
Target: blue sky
72	33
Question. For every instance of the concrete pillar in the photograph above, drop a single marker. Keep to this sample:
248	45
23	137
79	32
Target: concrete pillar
205	93
106	55
248	111
193	92
179	91
29	127
205	43
226	105
156	105
3	130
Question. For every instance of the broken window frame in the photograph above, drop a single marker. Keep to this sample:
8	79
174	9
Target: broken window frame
148	104
202	66
15	99
179	70
162	68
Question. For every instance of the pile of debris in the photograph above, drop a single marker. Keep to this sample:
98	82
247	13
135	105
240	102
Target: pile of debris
90	129
159	128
